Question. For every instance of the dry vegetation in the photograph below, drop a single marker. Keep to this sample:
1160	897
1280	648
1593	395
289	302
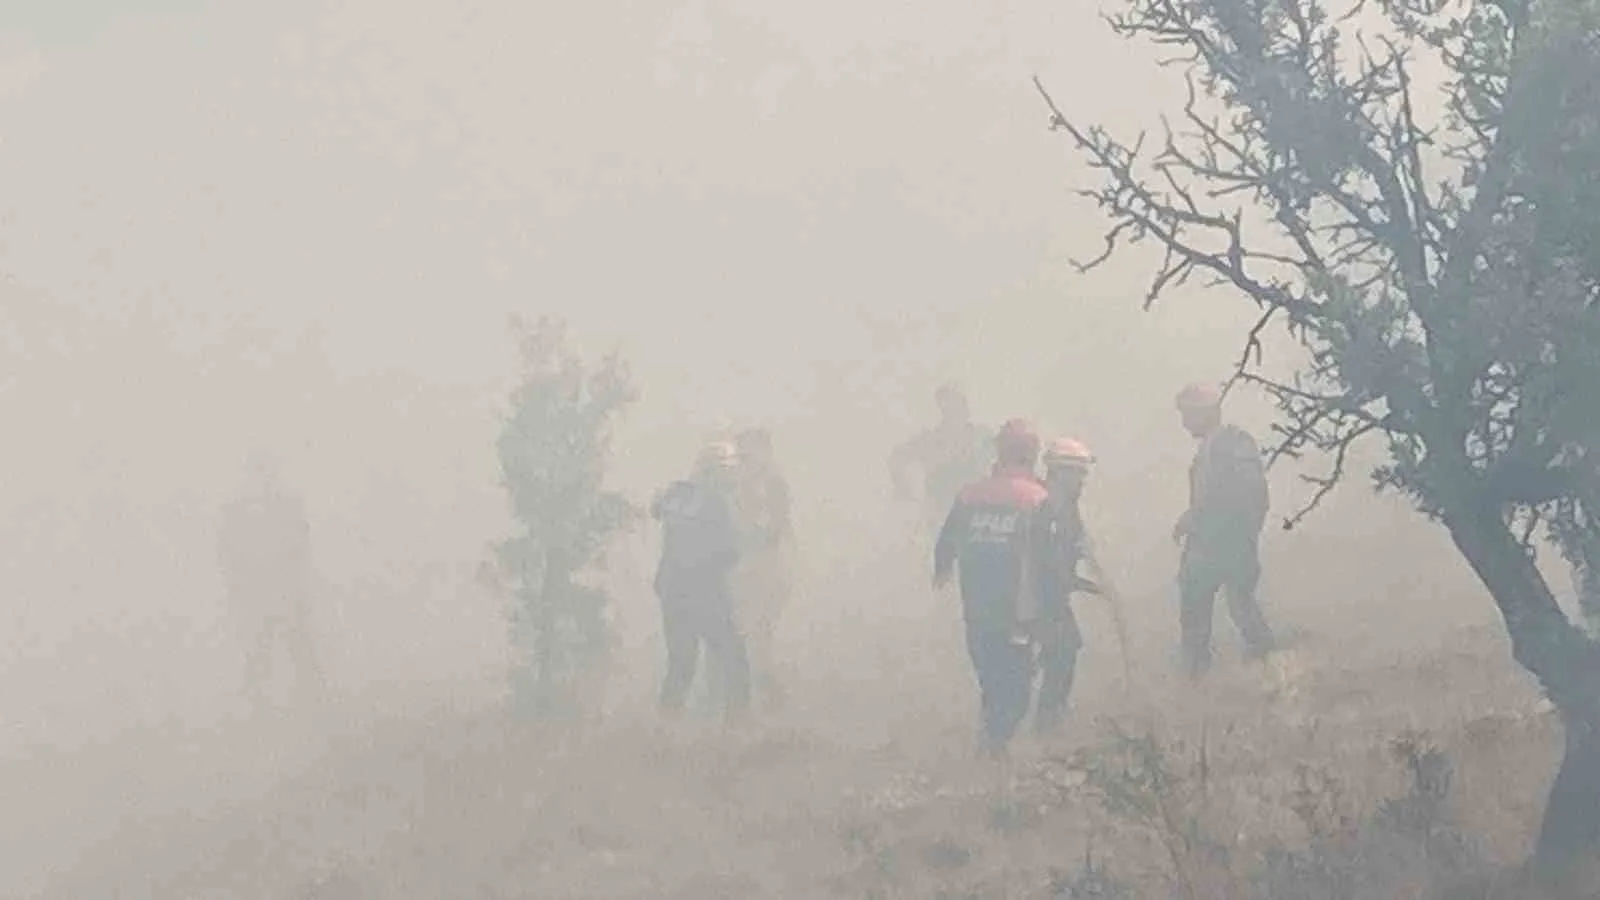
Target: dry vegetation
1336	772
1390	754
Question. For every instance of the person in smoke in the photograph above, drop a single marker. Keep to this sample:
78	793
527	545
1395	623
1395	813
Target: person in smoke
1063	544
264	553
762	580
949	455
1220	532
990	532
700	547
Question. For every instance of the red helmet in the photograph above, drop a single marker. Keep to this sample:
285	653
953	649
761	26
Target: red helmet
1067	453
1200	396
1017	443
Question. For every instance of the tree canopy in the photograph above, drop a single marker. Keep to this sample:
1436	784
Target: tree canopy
555	452
1407	188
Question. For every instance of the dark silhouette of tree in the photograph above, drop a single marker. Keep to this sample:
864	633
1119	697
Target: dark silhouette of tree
1440	274
555	449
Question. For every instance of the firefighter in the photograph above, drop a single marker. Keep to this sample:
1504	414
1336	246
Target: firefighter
1063	545
989	531
699	549
264	553
1220	532
762	581
949	455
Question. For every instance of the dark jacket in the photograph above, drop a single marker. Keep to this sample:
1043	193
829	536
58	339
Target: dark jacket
1062	548
990	531
700	540
764	510
1228	496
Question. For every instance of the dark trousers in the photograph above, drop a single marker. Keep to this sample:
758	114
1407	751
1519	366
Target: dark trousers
761	587
1234	567
690	620
1004	666
1058	642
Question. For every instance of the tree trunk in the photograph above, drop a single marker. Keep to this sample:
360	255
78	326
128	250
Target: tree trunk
554	590
1570	833
1566	663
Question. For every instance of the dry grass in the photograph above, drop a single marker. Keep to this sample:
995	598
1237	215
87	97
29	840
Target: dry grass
1283	782
1286	781
1312	781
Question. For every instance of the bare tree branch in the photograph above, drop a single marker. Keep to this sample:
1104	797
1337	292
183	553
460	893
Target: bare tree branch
1446	301
1326	484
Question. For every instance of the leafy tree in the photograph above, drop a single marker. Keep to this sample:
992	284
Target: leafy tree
1440	273
554	450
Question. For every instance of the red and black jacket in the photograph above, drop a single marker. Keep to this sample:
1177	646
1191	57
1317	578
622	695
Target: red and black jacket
990	532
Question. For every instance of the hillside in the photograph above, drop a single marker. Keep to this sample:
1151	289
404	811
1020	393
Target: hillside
858	791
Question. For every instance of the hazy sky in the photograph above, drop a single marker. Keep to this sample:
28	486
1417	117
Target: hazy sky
822	202
305	223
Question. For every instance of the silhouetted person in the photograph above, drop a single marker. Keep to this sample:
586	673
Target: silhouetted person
264	551
1221	530
699	548
950	455
762	580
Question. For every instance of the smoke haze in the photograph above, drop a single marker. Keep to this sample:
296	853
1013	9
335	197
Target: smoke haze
303	225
